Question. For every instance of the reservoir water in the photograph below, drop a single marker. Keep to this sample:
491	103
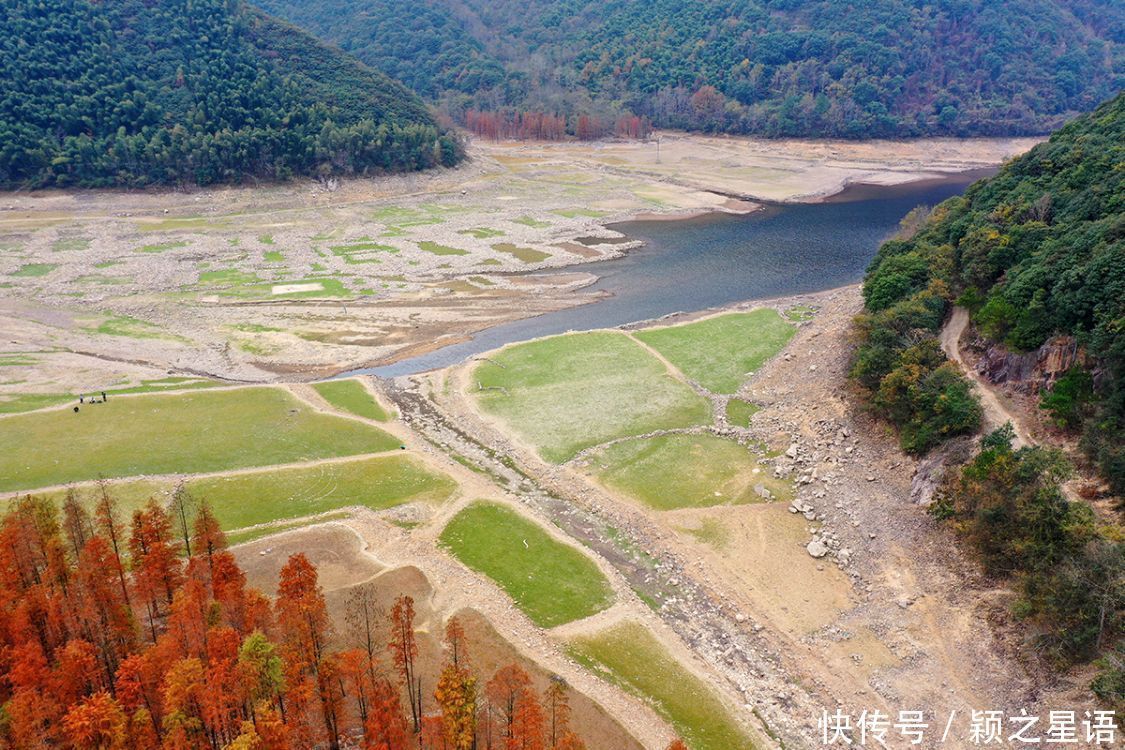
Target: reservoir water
718	259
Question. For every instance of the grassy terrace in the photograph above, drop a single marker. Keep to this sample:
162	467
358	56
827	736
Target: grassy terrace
195	432
684	471
351	396
566	393
718	352
272	495
629	655
12	404
552	582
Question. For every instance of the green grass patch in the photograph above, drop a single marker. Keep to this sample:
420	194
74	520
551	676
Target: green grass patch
362	252
711	532
351	396
630	656
800	313
567	393
160	247
439	249
552	582
129	495
24	402
280	494
739	412
401	216
718	352
102	280
481	233
273	256
684	471
265	239
16	403
70	244
229	276
242	536
529	221
35	269
574	213
258	348
329	287
106	264
200	431
254	328
17	360
525	254
170	383
128	327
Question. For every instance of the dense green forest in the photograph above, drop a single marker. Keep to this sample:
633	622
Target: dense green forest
771	67
133	93
1037	250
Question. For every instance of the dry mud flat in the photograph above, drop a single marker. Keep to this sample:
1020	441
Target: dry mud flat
891	617
304	279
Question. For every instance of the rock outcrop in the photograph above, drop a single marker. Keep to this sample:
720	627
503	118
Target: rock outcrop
1029	372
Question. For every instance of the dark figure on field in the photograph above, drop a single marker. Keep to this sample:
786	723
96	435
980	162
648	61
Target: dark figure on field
103	396
81	399
76	410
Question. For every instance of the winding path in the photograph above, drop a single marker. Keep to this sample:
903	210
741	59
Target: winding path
995	412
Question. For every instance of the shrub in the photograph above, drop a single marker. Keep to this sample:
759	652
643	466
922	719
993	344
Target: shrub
1069	399
1071	575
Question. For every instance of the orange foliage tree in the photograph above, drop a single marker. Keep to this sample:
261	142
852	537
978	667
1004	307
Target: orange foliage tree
116	637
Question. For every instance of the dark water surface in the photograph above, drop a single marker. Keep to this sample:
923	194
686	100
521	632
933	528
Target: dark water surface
714	260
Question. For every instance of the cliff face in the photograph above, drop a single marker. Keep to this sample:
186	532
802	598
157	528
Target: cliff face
1029	372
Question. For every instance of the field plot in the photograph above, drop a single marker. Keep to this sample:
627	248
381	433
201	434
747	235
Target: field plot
351	396
183	433
272	494
552	582
567	393
718	352
277	494
245	536
630	656
685	471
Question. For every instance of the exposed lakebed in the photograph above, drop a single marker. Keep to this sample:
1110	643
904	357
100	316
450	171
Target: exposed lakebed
717	259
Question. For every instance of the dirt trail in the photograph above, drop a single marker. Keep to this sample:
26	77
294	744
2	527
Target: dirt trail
995	412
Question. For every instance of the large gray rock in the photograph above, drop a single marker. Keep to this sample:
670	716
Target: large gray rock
817	548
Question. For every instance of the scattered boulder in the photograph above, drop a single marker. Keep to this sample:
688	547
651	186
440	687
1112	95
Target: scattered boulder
817	548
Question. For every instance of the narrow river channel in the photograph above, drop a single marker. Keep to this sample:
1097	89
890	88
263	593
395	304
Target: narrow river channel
718	259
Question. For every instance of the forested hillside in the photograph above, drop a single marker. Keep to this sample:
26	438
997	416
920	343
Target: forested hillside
1036	251
135	93
771	67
